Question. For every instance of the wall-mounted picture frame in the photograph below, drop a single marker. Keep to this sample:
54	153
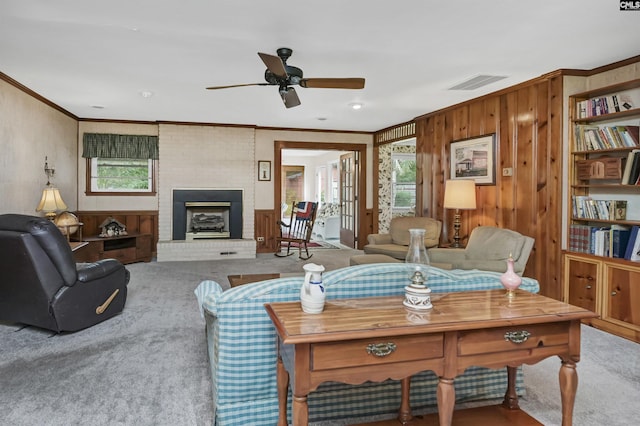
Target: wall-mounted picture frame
264	170
474	158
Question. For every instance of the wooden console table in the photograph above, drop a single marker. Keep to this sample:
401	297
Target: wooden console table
377	338
126	248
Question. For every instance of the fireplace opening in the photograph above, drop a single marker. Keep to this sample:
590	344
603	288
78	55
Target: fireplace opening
207	220
207	214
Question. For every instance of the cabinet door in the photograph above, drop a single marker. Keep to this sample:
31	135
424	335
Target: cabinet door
623	297
582	278
143	248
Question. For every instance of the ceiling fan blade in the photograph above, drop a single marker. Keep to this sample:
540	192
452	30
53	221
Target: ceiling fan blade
289	97
333	83
237	85
274	64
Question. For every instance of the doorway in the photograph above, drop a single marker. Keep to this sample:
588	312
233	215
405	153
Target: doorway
357	189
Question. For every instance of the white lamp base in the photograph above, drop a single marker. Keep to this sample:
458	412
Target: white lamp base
418	298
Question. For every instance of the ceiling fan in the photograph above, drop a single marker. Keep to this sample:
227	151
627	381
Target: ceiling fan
278	73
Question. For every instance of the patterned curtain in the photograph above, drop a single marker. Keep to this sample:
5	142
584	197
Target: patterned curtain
107	145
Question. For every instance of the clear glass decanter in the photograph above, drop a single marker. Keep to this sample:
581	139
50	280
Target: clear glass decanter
417	294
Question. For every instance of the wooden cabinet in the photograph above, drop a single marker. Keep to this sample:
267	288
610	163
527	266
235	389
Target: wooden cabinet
602	202
609	287
126	248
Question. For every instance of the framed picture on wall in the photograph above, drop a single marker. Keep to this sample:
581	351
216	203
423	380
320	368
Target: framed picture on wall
474	158
264	170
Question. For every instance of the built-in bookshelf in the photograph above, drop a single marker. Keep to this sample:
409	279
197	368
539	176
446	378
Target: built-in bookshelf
602	260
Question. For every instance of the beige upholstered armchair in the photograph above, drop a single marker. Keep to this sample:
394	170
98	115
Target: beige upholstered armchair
396	242
488	249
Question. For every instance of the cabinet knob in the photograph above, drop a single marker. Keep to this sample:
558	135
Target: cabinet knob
613	293
589	287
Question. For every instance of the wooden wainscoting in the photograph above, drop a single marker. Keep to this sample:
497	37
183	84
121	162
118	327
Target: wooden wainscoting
265	227
138	222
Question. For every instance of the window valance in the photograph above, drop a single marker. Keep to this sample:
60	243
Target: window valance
107	145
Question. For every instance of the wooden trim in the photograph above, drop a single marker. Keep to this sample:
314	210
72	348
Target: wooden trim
395	133
152	193
34	95
328	146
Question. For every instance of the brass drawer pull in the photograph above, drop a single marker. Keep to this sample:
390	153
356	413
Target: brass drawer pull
517	336
381	349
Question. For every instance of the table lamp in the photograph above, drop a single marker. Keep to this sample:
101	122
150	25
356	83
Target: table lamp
459	194
51	200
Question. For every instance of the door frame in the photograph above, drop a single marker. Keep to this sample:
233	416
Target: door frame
361	148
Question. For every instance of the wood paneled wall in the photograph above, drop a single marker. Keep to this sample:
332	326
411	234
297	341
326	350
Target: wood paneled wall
527	120
266	227
143	222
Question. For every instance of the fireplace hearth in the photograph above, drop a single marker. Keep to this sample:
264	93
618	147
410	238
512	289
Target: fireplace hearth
207	214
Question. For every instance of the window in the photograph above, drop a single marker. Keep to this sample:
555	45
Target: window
403	182
120	175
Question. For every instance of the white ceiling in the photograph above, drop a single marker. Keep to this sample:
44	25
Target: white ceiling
85	53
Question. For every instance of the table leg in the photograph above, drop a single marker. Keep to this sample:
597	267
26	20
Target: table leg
568	387
300	411
283	389
511	396
404	414
446	394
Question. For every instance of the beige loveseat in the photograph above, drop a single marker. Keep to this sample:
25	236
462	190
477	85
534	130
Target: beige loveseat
396	242
488	250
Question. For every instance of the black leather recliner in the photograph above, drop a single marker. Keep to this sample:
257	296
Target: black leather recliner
41	284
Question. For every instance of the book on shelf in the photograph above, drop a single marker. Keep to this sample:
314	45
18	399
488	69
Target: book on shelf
593	138
619	240
626	173
579	238
633	246
634	169
585	207
618	209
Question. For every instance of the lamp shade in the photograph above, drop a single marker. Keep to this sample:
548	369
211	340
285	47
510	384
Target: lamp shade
460	194
51	201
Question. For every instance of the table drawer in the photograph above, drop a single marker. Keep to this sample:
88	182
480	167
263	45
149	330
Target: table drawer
363	352
504	339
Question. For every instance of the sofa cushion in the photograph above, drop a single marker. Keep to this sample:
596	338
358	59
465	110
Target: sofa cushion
489	243
399	230
394	250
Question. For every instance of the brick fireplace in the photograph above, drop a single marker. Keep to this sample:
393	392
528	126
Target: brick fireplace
210	165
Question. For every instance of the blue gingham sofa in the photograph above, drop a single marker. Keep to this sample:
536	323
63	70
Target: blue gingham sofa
242	347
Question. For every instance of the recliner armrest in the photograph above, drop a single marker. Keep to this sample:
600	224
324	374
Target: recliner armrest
92	271
379	239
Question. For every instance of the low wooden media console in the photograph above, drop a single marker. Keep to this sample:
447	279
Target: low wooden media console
126	248
355	340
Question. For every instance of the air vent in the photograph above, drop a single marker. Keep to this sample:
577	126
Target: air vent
476	82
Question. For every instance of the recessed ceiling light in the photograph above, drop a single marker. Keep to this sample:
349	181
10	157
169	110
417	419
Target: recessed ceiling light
97	106
146	94
355	105
322	118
